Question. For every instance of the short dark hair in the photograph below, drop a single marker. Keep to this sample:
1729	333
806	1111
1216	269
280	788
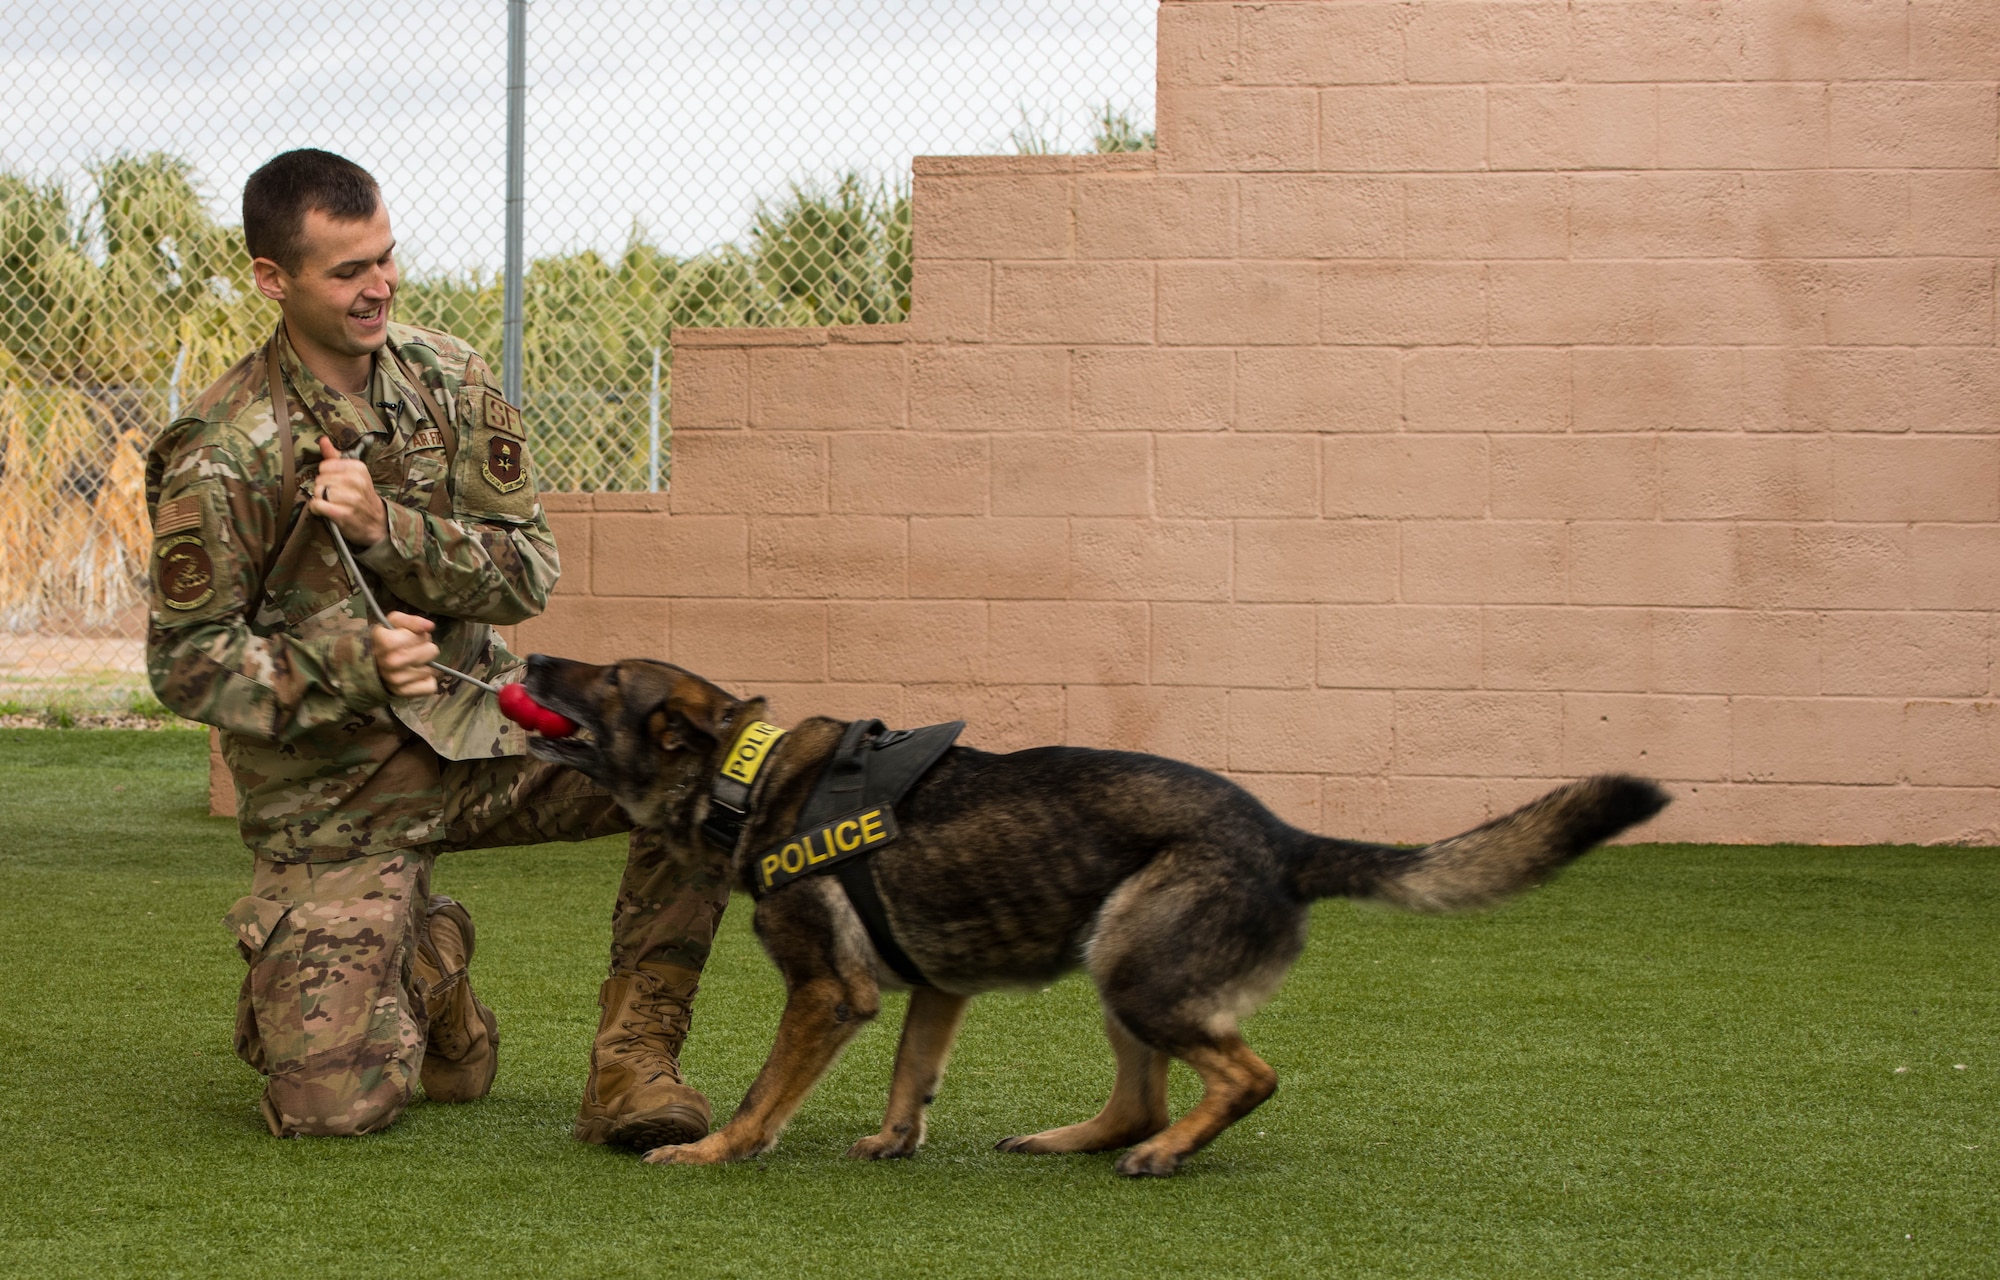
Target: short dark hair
276	198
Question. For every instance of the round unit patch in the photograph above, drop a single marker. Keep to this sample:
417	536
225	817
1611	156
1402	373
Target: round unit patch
505	459
186	574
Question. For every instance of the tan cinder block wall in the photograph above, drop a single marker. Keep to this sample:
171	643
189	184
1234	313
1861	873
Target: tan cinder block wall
1465	397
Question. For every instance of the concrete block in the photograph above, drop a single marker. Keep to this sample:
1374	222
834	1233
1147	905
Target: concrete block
1073	302
1675	738
989	557
1183	723
984	388
831	386
1402	303
899	473
1484	561
1572	126
1487	215
1238	303
1482	389
744	642
1745	477
1310	731
828	557
1320	216
1334	389
911	641
1399	646
1152	389
1235	475
1150	559
735	472
1065	475
652	555
1227	129
1313	561
1072	642
1478	734
1243	646
1730	651
1398	128
1399	476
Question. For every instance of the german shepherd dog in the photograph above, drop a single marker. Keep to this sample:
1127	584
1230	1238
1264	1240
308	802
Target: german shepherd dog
1182	896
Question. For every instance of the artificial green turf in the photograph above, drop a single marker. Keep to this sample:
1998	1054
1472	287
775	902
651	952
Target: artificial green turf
1675	1061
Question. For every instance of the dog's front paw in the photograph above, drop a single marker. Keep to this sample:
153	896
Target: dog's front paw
707	1151
1149	1161
883	1146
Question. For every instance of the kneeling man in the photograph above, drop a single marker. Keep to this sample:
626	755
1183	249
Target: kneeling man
356	764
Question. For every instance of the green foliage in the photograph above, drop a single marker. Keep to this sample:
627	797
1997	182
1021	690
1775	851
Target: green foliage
1113	130
112	300
838	255
1116	131
113	312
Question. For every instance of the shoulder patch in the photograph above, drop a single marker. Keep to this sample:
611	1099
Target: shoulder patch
501	416
184	572
506	462
177	516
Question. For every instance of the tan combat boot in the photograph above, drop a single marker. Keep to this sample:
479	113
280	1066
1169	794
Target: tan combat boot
461	1054
635	1097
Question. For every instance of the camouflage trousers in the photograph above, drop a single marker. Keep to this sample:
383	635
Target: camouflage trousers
328	1011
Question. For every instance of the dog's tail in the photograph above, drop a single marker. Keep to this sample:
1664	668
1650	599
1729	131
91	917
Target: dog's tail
1487	864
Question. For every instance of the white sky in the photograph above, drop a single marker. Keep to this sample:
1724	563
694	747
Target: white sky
675	113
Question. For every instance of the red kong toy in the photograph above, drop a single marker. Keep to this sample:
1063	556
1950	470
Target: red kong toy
518	706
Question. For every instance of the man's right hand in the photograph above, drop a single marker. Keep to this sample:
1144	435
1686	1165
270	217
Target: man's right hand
402	651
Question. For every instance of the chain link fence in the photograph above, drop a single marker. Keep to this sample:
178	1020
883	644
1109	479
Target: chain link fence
688	162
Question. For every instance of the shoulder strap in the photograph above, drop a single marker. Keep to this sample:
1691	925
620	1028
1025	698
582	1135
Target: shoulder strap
842	788
281	413
857	876
440	491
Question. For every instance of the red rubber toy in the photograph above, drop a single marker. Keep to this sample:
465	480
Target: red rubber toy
520	707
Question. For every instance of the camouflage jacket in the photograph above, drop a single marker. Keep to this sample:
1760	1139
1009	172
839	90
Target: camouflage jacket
257	629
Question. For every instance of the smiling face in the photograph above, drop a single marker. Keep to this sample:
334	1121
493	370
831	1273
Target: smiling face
337	304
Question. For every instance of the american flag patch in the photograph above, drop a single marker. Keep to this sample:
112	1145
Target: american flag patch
177	516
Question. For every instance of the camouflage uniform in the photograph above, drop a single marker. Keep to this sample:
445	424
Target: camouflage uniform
346	795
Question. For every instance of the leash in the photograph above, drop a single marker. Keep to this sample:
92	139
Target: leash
375	613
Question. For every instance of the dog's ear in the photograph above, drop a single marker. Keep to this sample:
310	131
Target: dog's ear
694	716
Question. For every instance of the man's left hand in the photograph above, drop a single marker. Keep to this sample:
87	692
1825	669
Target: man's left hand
345	494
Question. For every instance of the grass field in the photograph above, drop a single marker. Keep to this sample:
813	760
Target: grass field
1676	1061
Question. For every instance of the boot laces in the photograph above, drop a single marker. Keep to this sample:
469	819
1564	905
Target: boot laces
657	1024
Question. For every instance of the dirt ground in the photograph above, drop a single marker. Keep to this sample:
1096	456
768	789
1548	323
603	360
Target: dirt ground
87	676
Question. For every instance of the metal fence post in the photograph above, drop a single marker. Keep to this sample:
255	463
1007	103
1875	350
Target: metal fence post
653	428
517	128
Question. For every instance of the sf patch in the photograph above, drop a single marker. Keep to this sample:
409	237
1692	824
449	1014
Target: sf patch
501	416
506	462
185	574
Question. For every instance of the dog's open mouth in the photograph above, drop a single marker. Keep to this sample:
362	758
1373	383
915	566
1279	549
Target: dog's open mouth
571	749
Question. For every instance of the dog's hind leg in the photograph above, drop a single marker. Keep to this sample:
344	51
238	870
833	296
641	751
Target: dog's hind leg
928	1029
1136	1110
1234	1081
821	1016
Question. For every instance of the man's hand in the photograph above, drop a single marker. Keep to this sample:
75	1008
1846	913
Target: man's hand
345	494
401	651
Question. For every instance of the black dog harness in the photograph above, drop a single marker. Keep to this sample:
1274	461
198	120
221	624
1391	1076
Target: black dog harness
849	815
